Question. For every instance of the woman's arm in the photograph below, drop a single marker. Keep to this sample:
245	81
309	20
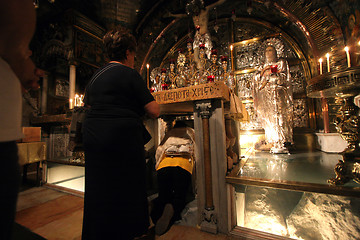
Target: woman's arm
152	109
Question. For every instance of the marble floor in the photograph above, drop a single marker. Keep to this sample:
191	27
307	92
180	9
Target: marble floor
57	214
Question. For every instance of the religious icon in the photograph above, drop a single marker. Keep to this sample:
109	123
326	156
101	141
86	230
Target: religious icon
273	98
163	80
155	79
214	68
190	63
226	76
181	77
201	74
172	74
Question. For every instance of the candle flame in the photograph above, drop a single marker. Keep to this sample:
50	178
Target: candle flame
231	47
147	66
346	49
327	55
321	60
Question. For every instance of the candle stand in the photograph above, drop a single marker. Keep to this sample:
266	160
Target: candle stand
345	85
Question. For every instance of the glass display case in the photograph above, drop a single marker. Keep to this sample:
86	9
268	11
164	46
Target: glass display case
287	195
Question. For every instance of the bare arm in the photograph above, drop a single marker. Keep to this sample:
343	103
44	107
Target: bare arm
152	109
179	15
211	6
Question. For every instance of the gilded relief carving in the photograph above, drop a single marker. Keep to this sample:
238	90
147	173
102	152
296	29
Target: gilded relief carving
348	126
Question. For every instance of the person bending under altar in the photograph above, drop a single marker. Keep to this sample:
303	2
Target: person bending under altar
175	167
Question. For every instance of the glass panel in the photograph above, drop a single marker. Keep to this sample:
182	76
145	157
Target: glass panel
72	177
309	167
297	215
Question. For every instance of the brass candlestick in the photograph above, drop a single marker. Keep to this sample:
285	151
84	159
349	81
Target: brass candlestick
348	126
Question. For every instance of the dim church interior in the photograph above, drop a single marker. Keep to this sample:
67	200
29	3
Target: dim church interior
68	35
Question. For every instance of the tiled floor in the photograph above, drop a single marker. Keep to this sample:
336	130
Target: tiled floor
53	214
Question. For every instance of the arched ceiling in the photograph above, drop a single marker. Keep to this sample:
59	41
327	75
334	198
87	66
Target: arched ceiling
317	26
312	24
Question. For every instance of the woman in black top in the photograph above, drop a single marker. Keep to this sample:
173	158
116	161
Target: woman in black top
115	205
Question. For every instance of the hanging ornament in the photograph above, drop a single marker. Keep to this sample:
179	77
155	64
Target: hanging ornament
233	16
267	3
176	37
249	7
216	27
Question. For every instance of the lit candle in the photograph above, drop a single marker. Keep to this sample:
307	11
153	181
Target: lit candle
76	102
328	61
81	100
232	57
321	70
71	105
147	75
347	56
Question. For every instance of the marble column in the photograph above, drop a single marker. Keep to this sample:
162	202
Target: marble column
72	82
208	222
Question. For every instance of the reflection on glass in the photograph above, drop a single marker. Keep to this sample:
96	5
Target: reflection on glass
298	215
311	167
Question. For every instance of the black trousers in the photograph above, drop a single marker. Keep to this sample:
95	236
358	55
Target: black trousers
9	187
174	183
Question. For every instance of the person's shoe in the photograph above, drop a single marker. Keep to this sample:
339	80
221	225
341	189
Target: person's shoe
163	224
150	235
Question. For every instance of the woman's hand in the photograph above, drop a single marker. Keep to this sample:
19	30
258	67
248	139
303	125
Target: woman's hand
267	68
152	109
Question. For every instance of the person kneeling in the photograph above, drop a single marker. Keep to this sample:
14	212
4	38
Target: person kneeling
174	166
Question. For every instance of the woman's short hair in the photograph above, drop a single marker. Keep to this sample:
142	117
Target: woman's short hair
116	43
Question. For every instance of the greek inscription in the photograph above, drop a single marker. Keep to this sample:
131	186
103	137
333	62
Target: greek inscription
178	95
343	80
157	98
206	90
329	84
211	90
190	93
356	77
